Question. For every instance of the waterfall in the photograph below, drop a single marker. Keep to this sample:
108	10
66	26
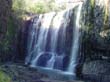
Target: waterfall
75	45
48	40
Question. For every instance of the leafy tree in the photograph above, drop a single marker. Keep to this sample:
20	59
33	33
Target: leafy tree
21	7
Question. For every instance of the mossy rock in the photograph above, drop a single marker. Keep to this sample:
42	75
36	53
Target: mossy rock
4	77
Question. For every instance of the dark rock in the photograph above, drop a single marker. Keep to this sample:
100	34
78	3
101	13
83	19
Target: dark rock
22	40
20	73
43	59
95	27
97	71
5	14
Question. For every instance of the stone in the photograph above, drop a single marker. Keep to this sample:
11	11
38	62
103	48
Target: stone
96	32
97	70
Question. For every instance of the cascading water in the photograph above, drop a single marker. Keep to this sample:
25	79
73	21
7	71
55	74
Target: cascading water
75	45
48	37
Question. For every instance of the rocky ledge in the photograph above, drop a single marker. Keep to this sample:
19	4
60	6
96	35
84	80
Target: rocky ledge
97	71
22	73
93	71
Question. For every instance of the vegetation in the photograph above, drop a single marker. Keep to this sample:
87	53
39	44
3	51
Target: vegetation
92	4
18	7
22	7
4	77
106	14
89	13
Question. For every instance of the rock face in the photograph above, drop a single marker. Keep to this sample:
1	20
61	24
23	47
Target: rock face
96	23
22	40
96	40
97	71
5	8
5	13
7	31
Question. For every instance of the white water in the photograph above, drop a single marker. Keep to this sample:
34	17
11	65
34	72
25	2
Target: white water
44	39
75	47
50	63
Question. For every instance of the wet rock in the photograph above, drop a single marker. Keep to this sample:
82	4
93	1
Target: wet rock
44	58
21	73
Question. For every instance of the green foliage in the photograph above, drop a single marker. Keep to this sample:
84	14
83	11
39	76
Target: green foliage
21	7
106	15
89	25
4	77
40	7
92	3
18	7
